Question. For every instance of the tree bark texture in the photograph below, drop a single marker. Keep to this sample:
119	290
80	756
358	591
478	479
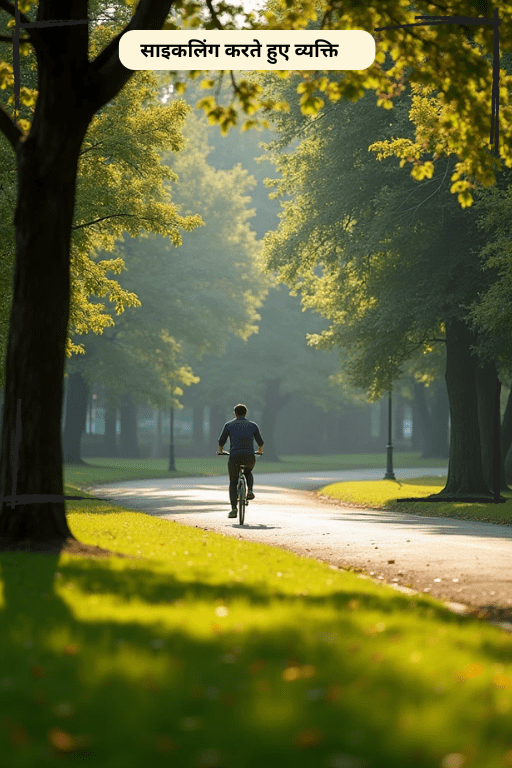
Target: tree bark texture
465	476
76	417
38	330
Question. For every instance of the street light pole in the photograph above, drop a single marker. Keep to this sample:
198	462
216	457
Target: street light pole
172	466
390	475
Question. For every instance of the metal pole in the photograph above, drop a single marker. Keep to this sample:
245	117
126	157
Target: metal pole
390	475
172	466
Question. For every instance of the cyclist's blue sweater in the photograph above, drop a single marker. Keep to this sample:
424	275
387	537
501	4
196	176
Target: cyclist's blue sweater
241	433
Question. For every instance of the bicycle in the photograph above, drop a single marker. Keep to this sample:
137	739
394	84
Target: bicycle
241	489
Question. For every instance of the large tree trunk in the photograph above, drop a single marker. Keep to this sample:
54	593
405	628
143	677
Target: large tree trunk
506	438
76	416
486	391
128	439
47	166
273	402
465	476
70	91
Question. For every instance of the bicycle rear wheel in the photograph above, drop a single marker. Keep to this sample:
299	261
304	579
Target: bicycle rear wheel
242	496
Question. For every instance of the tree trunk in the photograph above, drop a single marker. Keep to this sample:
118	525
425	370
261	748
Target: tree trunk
76	416
47	168
273	402
486	391
465	476
506	430
71	89
128	439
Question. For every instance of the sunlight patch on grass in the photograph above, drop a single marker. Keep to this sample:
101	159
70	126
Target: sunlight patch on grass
383	494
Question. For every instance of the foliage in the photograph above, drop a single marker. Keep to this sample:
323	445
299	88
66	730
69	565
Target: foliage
492	312
370	252
194	296
450	60
122	191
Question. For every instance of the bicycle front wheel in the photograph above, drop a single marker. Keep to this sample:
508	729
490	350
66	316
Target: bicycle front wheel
242	496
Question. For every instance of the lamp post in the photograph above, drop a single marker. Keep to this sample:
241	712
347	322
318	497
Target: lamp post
172	465
390	475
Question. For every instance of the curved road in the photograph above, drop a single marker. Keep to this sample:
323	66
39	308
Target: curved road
458	561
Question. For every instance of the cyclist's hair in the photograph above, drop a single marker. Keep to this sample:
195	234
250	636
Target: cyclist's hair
240	409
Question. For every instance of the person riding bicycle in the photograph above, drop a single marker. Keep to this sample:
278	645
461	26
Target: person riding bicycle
241	433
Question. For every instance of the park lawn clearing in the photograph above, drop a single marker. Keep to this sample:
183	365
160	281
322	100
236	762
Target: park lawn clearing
101	470
383	494
199	650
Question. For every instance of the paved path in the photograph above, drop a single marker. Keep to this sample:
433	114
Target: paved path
456	560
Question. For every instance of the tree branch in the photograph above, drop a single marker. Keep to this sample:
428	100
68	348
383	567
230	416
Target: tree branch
213	14
106	74
112	216
11	132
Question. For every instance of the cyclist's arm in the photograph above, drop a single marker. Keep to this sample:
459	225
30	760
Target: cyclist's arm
222	438
259	440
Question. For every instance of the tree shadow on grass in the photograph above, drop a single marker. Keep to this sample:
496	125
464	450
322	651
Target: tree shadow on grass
121	692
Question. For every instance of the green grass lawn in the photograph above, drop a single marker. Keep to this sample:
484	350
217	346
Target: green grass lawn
383	494
96	471
206	651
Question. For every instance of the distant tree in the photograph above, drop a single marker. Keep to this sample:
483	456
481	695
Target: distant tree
390	264
193	298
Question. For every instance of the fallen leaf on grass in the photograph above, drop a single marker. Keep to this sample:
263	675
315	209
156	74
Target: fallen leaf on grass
18	735
333	693
71	649
37	671
299	673
309	738
64	742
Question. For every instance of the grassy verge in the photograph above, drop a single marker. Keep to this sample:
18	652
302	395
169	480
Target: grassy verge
205	651
383	494
96	471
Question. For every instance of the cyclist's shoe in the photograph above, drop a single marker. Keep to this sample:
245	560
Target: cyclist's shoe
233	513
250	496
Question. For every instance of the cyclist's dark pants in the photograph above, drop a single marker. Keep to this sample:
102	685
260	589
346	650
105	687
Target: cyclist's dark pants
234	467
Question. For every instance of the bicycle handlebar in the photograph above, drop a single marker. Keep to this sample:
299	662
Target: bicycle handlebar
226	453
